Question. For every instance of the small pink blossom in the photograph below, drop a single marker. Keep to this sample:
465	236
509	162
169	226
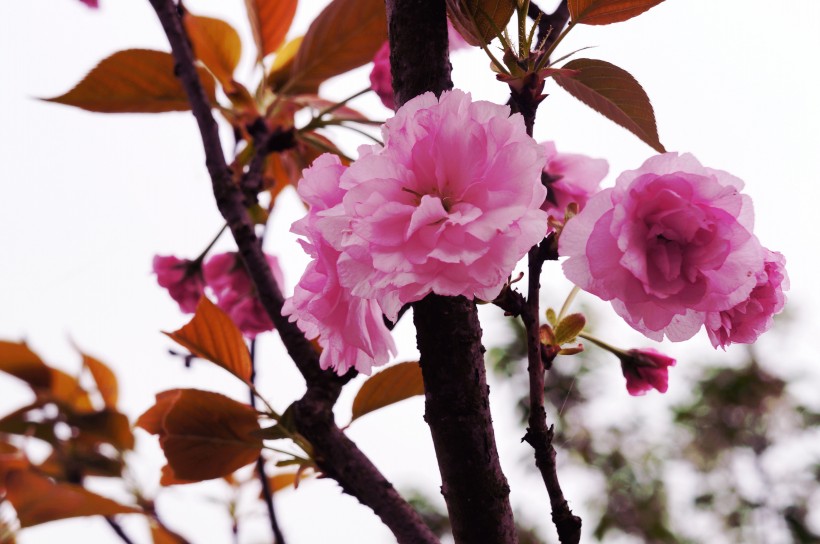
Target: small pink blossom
570	178
670	242
351	329
235	293
644	370
448	205
381	77
91	3
749	319
182	278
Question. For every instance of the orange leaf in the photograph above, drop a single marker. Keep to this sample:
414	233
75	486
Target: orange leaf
216	44
213	336
104	378
160	534
169	478
285	480
66	391
11	459
107	425
133	81
270	21
204	435
37	500
22	363
472	18
604	12
615	94
389	386
344	36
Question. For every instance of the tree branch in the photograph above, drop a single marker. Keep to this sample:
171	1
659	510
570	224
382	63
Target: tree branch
457	407
336	454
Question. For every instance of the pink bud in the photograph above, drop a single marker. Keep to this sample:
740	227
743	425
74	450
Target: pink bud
645	369
182	278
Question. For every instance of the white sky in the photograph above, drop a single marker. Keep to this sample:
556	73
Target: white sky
86	200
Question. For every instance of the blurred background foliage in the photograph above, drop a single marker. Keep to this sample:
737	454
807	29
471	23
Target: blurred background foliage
734	443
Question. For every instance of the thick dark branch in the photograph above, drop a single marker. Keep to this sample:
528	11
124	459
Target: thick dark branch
457	406
336	454
550	26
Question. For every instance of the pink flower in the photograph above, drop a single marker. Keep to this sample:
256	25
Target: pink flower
645	369
570	178
91	3
381	77
448	205
744	322
351	330
182	278
235	294
670	242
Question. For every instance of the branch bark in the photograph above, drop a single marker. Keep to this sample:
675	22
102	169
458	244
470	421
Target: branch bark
457	407
336	455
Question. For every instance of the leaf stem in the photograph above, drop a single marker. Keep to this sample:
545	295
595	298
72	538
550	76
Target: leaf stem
568	302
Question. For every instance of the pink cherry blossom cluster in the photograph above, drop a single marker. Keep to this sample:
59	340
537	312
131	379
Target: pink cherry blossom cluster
672	247
570	178
224	276
448	205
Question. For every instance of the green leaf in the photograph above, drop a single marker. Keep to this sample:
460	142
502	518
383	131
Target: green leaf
615	94
133	81
569	328
389	386
604	12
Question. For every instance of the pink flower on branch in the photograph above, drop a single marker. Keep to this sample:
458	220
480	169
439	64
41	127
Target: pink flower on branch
570	178
91	3
749	319
182	278
235	294
448	205
671	242
351	329
644	370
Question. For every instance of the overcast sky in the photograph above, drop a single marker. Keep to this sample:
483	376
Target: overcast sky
86	200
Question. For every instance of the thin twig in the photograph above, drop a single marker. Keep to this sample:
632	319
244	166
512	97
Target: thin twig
118	529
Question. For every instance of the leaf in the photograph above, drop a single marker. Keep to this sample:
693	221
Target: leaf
66	391
11	459
270	21
389	386
213	336
568	328
104	378
216	44
345	35
204	435
22	363
160	534
107	425
283	63
615	94
133	81
285	480
472	18
604	12
39	500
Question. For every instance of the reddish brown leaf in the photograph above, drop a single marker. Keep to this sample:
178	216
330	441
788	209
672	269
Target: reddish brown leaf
286	480
104	378
204	435
389	386
39	500
66	391
107	425
133	81
344	36
270	21
604	12
11	459
161	534
615	94
169	478
213	336
478	21
22	363
216	44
